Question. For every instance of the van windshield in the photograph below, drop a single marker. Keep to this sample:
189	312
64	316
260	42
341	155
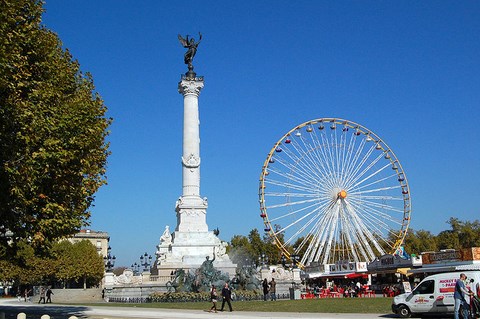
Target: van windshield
426	287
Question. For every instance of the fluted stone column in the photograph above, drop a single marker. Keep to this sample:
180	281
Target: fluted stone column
191	208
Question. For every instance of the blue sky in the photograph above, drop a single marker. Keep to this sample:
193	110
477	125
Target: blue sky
409	71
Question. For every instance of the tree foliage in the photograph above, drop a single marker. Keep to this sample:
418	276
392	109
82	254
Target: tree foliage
91	271
65	263
53	131
249	249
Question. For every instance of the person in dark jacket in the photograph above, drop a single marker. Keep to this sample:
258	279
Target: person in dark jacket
49	294
227	297
265	289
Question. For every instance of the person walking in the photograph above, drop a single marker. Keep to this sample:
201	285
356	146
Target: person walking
213	298
42	295
459	297
273	291
49	294
227	297
26	294
265	289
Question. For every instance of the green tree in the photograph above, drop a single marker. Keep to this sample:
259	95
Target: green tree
301	244
63	253
271	245
53	130
91	272
250	248
9	271
240	251
257	245
463	234
416	242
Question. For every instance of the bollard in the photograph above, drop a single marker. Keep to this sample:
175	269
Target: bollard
21	315
72	317
45	317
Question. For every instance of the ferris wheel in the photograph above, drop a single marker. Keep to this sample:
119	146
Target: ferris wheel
332	190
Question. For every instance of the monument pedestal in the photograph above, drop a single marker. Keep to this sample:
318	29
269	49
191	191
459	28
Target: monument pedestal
188	251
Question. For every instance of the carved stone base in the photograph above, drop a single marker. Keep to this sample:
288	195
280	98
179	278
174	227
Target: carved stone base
188	250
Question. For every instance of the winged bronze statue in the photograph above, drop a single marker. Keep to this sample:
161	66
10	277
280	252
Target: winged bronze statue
191	46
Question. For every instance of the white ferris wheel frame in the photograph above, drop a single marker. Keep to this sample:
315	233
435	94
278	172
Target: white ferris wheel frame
333	187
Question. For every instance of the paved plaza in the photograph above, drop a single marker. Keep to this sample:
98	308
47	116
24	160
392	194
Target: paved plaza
11	307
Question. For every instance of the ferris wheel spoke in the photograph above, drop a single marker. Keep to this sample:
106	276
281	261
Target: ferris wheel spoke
301	170
302	229
357	175
317	243
274	178
283	215
348	237
290	204
365	236
289	195
319	157
311	161
346	154
321	146
354	229
314	154
287	180
360	158
352	153
295	222
317	246
377	181
300	174
378	197
377	172
297	178
374	205
376	190
331	235
289	185
375	222
372	209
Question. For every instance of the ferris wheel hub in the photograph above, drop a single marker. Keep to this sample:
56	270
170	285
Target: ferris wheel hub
342	194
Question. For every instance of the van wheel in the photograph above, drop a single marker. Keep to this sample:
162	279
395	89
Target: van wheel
404	312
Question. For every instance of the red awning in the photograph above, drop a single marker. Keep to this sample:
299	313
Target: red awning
356	275
349	275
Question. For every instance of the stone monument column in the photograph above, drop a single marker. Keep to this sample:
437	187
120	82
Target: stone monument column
191	244
191	208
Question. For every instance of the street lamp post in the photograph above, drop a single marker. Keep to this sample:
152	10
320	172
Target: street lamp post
283	259
145	261
109	260
295	260
263	260
135	268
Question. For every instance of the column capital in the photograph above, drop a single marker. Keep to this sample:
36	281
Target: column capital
190	86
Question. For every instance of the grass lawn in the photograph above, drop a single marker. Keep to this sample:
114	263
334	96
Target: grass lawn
326	305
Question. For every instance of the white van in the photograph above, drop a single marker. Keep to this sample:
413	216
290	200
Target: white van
434	294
